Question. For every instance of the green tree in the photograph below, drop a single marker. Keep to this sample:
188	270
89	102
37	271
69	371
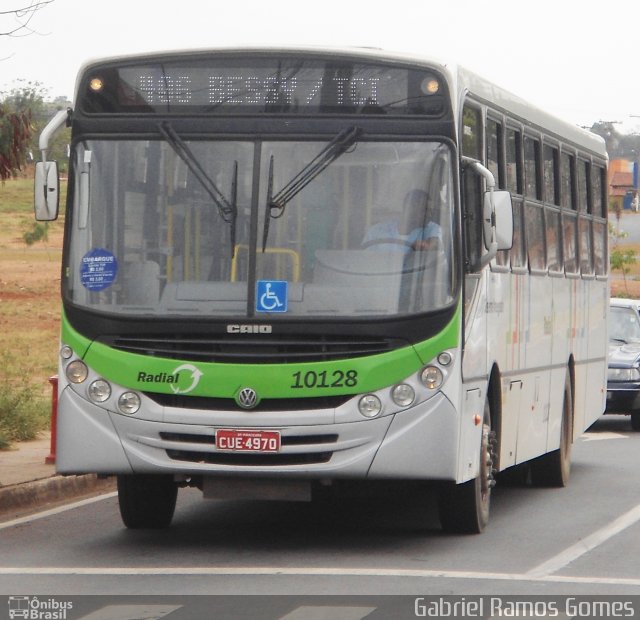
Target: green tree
15	134
621	260
23	114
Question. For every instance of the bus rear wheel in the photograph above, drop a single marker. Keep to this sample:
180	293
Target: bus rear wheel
553	469
464	508
147	501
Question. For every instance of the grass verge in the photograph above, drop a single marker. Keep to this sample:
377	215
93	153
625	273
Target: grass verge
29	313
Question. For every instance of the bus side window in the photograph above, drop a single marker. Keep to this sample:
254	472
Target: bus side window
472	197
570	247
550	175
472	186
600	233
495	163
514	185
514	165
567	173
585	249
472	133
535	233
494	151
554	241
598	183
583	186
600	238
532	168
517	253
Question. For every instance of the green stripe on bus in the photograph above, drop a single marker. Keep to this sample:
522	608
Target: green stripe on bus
298	380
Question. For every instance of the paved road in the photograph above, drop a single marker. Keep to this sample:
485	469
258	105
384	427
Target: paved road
584	539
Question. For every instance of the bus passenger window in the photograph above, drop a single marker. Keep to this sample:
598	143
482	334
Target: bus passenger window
569	236
598	197
535	233
550	175
586	259
554	241
514	171
472	133
600	248
472	196
583	191
494	151
531	168
567	174
517	255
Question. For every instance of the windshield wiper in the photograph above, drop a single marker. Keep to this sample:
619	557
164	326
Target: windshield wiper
276	204
228	209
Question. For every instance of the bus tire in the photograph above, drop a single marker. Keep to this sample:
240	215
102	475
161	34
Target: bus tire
464	508
635	421
553	469
147	501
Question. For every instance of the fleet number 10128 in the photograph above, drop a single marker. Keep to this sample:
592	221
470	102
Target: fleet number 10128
325	379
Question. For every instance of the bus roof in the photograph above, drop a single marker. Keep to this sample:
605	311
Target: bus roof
460	81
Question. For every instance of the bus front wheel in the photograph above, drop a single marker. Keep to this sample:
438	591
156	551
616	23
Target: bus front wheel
147	501
464	508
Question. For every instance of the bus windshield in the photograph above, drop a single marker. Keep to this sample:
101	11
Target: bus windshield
187	227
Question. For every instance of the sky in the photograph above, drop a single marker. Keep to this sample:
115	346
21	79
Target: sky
577	59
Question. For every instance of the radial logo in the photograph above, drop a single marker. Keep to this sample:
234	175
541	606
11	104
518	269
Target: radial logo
195	378
181	380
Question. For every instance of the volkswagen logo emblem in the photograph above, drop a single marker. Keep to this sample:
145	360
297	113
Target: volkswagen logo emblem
247	398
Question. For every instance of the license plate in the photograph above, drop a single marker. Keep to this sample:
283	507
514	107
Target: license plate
235	440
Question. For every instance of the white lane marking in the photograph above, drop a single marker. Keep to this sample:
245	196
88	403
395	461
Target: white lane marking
587	544
131	612
541	572
56	511
328	613
273	571
602	436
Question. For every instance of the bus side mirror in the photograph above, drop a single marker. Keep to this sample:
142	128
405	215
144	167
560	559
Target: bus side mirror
46	191
498	220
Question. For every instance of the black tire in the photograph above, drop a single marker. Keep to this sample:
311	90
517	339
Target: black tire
635	421
553	469
147	501
464	508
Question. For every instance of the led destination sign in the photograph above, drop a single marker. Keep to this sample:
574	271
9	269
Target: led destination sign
270	85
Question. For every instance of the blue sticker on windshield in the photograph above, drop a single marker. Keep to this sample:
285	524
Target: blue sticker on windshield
98	269
272	296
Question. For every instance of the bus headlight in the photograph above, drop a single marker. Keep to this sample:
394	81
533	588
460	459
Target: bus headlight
431	377
99	391
370	406
129	403
403	395
77	371
66	352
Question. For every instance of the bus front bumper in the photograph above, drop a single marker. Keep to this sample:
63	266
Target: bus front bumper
418	443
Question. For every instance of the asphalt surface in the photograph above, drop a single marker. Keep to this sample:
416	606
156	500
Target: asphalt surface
28	480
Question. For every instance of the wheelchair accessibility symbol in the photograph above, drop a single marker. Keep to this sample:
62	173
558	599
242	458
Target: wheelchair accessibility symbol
272	296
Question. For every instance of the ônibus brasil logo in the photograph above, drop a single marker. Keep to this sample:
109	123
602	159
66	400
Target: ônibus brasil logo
38	608
181	380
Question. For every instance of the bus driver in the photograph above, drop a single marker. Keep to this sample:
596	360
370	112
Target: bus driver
417	229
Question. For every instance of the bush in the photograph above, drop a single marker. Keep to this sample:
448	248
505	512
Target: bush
23	413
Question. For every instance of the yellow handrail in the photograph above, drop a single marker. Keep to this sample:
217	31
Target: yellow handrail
292	254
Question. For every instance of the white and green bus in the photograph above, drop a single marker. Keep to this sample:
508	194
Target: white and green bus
287	269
